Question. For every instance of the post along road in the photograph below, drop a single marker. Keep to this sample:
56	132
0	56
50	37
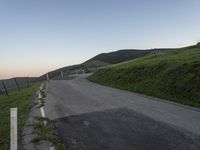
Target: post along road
94	117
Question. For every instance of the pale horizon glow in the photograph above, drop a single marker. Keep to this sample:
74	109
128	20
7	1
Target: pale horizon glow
38	36
34	72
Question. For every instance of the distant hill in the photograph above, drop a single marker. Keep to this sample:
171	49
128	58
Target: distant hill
66	70
120	56
125	55
98	61
106	59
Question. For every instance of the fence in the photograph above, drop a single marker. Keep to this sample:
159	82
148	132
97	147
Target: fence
16	83
19	82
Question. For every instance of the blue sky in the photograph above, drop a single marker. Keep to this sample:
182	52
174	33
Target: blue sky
37	36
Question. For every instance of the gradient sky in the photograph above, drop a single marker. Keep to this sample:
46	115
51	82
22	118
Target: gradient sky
37	36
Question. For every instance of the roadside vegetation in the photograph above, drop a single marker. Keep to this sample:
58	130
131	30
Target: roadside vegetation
22	100
44	128
45	131
174	76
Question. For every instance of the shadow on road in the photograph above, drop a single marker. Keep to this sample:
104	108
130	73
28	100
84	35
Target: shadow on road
121	129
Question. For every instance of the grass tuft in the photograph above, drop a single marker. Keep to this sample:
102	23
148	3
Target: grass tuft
44	128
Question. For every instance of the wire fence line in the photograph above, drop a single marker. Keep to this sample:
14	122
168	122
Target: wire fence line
16	83
7	85
21	82
60	74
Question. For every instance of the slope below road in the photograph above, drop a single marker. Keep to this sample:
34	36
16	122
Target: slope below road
91	116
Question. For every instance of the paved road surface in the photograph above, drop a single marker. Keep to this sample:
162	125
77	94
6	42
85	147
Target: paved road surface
94	117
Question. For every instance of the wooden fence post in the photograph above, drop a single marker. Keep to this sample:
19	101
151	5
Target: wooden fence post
62	75
13	129
47	77
5	89
28	82
17	84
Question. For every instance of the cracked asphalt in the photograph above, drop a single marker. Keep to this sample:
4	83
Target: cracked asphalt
94	117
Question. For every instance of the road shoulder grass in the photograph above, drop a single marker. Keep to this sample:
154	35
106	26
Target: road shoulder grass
23	101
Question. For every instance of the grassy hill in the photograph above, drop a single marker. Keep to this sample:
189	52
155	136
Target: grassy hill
174	76
106	59
120	56
124	55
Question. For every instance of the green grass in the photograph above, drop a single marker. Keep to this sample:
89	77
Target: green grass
46	132
174	76
21	100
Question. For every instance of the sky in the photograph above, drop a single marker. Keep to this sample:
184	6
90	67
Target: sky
37	36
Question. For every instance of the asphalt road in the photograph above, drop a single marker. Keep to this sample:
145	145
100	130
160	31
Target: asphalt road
94	117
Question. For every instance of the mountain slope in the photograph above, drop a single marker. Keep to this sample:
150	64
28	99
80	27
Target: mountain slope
106	59
174	76
125	55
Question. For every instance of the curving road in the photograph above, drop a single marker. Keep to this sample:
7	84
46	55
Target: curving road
94	117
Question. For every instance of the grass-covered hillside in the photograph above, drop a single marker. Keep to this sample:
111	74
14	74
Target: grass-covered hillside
105	59
125	55
174	76
120	56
